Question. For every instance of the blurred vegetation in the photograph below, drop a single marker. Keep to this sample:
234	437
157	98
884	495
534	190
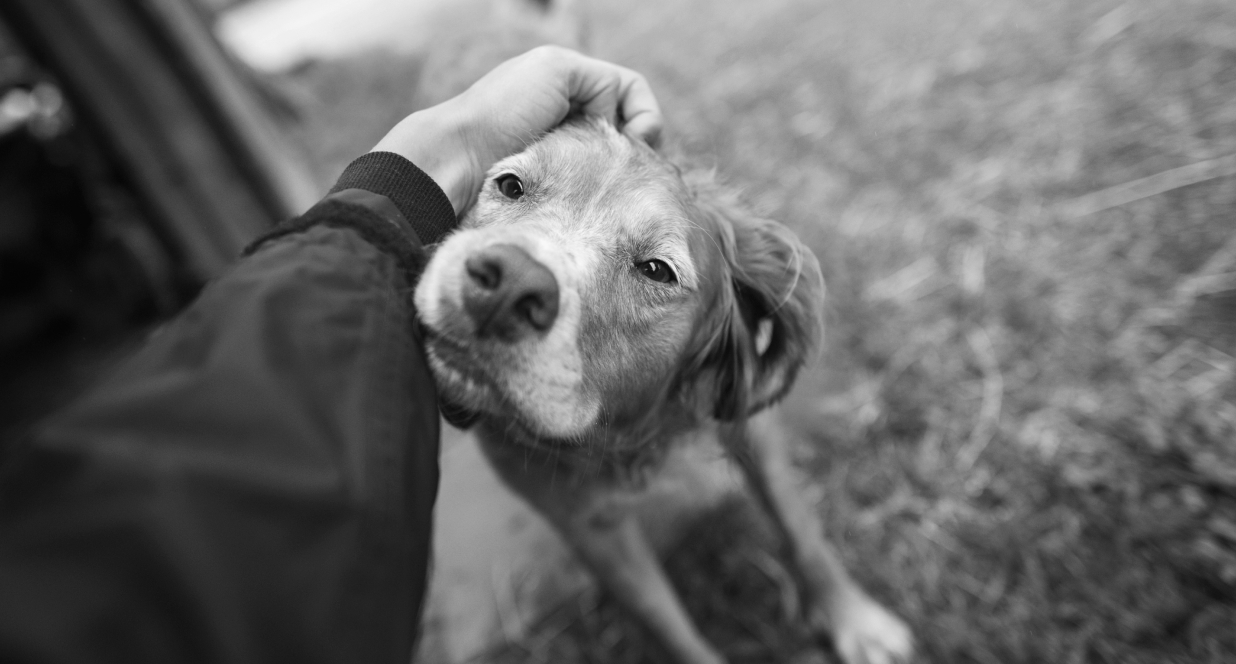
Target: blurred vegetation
1023	432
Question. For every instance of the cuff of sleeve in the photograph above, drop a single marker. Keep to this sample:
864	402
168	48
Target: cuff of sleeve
417	196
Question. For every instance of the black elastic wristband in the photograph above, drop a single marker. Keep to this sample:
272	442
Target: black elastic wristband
417	196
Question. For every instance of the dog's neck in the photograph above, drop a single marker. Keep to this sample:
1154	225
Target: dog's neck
627	454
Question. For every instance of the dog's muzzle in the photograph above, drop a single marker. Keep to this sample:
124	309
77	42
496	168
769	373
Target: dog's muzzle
508	294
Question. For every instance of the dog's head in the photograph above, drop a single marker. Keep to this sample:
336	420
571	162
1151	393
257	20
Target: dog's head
595	289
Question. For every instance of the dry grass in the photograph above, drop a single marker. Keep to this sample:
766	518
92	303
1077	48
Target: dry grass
1024	427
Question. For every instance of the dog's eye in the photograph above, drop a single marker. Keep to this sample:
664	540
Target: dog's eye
657	270
510	185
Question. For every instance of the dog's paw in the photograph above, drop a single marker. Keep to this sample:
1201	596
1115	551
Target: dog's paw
863	632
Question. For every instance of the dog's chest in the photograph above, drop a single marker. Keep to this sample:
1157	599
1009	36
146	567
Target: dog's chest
693	475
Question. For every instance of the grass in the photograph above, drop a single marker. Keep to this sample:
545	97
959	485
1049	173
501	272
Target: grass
1023	427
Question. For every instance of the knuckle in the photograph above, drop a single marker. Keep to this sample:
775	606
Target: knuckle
548	52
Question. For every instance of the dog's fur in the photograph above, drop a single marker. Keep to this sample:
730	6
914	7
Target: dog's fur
582	371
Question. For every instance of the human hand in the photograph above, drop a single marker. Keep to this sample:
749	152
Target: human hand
516	103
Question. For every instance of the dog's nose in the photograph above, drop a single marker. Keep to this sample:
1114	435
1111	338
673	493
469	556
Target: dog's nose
509	294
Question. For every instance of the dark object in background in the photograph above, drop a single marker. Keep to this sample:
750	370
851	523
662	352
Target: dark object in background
80	265
58	266
135	163
149	78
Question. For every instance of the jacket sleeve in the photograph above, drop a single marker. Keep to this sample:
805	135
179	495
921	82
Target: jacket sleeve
256	484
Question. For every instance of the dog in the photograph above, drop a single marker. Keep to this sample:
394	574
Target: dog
598	308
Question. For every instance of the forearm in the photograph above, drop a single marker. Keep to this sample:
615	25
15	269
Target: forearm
255	484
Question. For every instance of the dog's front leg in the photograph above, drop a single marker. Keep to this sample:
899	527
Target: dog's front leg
614	546
862	631
611	543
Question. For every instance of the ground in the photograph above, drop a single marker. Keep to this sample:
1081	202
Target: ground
1022	435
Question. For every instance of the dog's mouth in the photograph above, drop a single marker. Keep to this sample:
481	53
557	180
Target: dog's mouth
457	372
465	386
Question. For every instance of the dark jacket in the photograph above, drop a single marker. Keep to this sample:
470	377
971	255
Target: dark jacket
256	484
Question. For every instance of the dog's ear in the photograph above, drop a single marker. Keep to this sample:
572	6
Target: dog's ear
769	318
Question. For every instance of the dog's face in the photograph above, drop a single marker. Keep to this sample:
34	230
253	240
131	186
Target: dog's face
594	289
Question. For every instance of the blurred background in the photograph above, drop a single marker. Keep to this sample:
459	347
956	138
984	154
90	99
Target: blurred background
1022	434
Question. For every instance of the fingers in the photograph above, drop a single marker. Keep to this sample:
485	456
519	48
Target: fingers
641	111
617	93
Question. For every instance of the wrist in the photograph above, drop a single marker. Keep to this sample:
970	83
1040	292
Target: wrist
435	139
